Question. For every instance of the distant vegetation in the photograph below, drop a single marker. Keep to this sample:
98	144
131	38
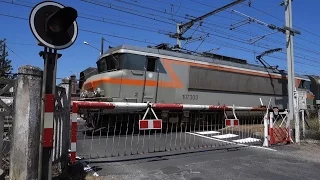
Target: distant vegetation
5	63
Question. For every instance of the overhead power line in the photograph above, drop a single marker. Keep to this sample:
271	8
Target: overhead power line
182	28
231	39
163	32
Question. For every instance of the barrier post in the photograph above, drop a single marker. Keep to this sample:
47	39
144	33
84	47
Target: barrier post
74	127
303	124
48	105
271	130
266	129
24	157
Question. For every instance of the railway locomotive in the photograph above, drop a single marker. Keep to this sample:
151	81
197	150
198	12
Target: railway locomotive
163	75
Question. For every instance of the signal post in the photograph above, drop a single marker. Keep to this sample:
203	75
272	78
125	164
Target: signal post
55	28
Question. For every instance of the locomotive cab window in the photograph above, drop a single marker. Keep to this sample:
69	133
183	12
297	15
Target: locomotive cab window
102	65
108	63
304	84
139	62
132	61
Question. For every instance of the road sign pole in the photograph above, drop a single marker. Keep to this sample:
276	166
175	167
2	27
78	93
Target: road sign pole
49	84
55	27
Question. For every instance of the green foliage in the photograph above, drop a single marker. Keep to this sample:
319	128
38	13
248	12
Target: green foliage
5	63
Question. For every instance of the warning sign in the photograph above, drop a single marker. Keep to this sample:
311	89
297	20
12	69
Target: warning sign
302	99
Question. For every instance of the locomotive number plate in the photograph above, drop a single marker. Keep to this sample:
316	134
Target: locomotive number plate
190	97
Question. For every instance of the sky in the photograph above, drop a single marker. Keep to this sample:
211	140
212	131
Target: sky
149	22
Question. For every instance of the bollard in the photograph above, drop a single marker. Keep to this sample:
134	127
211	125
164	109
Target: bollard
24	157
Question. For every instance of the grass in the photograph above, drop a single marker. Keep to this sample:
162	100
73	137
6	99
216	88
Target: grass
256	129
312	129
91	177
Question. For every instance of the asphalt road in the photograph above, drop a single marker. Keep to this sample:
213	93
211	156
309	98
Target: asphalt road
245	163
196	156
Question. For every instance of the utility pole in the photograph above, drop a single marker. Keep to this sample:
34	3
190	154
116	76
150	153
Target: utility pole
293	107
289	32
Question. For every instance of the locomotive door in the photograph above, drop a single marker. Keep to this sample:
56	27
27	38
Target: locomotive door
151	76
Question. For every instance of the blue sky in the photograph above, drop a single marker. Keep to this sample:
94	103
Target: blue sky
148	21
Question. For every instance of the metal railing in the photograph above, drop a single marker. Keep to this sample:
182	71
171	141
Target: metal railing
61	138
125	129
6	117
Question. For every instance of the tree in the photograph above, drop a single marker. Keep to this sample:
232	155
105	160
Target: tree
5	63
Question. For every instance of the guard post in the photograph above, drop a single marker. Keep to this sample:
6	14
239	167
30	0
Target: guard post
24	154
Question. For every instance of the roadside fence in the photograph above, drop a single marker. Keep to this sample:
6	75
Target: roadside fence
310	124
6	116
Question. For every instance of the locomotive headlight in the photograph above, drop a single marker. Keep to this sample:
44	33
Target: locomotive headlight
84	94
97	92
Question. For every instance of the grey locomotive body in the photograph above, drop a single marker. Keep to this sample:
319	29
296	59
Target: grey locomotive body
132	74
135	74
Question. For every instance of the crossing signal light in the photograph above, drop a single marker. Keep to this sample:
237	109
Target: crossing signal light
54	25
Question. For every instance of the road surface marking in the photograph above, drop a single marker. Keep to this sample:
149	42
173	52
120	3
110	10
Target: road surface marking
233	143
246	140
208	132
224	136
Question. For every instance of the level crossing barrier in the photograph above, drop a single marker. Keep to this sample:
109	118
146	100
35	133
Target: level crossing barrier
278	127
112	129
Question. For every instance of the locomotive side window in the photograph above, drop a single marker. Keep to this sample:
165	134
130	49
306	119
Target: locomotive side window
151	64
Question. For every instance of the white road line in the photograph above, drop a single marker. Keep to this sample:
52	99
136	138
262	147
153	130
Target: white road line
224	136
246	140
231	142
208	132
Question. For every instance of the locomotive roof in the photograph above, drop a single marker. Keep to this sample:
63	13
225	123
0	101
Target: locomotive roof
183	55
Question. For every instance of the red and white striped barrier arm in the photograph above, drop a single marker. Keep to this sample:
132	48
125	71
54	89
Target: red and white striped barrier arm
158	106
48	121
161	106
74	127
